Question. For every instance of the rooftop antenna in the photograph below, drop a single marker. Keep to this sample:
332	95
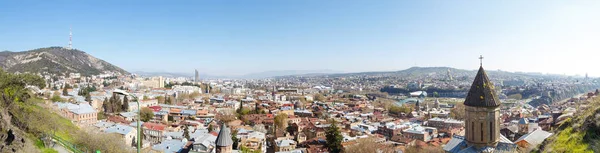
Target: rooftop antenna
70	38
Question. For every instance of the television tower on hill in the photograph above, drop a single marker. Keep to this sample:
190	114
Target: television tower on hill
70	39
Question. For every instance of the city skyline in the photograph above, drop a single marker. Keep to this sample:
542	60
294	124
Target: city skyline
221	38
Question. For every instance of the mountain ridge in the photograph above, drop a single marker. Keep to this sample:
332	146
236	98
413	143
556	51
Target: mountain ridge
332	73
55	60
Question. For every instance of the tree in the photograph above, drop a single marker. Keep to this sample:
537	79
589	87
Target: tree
334	138
65	92
259	128
367	145
146	114
239	111
280	121
226	116
56	97
161	99
100	116
244	149
100	141
168	100
117	105
210	128
319	97
292	129
107	106
186	132
142	136
436	94
458	112
427	149
125	104
194	94
400	109
88	98
516	96
234	139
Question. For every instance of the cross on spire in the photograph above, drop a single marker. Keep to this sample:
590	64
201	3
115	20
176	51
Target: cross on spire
480	60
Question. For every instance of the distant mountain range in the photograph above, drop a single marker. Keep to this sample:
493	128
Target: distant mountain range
426	71
410	72
55	60
258	75
59	60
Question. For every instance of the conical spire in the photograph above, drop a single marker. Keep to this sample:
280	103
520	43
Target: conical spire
224	137
482	93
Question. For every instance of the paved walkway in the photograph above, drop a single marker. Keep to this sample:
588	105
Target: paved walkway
60	149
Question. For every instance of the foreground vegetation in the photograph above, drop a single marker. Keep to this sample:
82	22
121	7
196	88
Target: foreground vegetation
21	112
578	134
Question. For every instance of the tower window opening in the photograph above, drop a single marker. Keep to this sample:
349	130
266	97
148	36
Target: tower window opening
481	136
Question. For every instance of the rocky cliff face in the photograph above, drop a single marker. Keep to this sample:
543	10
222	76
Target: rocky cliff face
13	139
55	60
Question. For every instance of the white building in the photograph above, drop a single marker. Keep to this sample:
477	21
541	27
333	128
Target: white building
126	132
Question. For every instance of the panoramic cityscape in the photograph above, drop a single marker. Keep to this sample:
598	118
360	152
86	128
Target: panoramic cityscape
300	77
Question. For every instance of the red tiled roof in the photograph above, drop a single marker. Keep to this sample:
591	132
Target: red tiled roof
155	108
117	119
155	126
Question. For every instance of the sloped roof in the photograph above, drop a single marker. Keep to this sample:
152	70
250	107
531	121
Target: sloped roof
224	137
482	93
81	108
284	143
523	121
120	129
155	126
458	145
536	137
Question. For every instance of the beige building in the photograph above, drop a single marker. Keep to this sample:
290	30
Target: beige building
126	132
153	82
285	145
154	132
81	114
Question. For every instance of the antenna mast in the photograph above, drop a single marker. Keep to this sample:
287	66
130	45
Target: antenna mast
70	38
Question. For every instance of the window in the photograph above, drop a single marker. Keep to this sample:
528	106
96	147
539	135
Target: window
492	131
472	131
481	136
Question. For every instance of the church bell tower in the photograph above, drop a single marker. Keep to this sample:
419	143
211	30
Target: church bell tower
482	111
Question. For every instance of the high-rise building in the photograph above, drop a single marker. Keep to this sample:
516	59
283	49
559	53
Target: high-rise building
586	76
450	75
196	77
482	123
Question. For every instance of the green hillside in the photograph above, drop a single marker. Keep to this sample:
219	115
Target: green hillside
578	134
25	121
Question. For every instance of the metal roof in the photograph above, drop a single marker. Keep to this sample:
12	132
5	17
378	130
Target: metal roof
224	137
120	129
458	145
536	137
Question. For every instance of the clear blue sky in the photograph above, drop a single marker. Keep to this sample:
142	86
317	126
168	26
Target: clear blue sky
224	37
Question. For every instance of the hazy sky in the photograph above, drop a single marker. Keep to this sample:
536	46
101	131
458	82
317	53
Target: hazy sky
223	37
